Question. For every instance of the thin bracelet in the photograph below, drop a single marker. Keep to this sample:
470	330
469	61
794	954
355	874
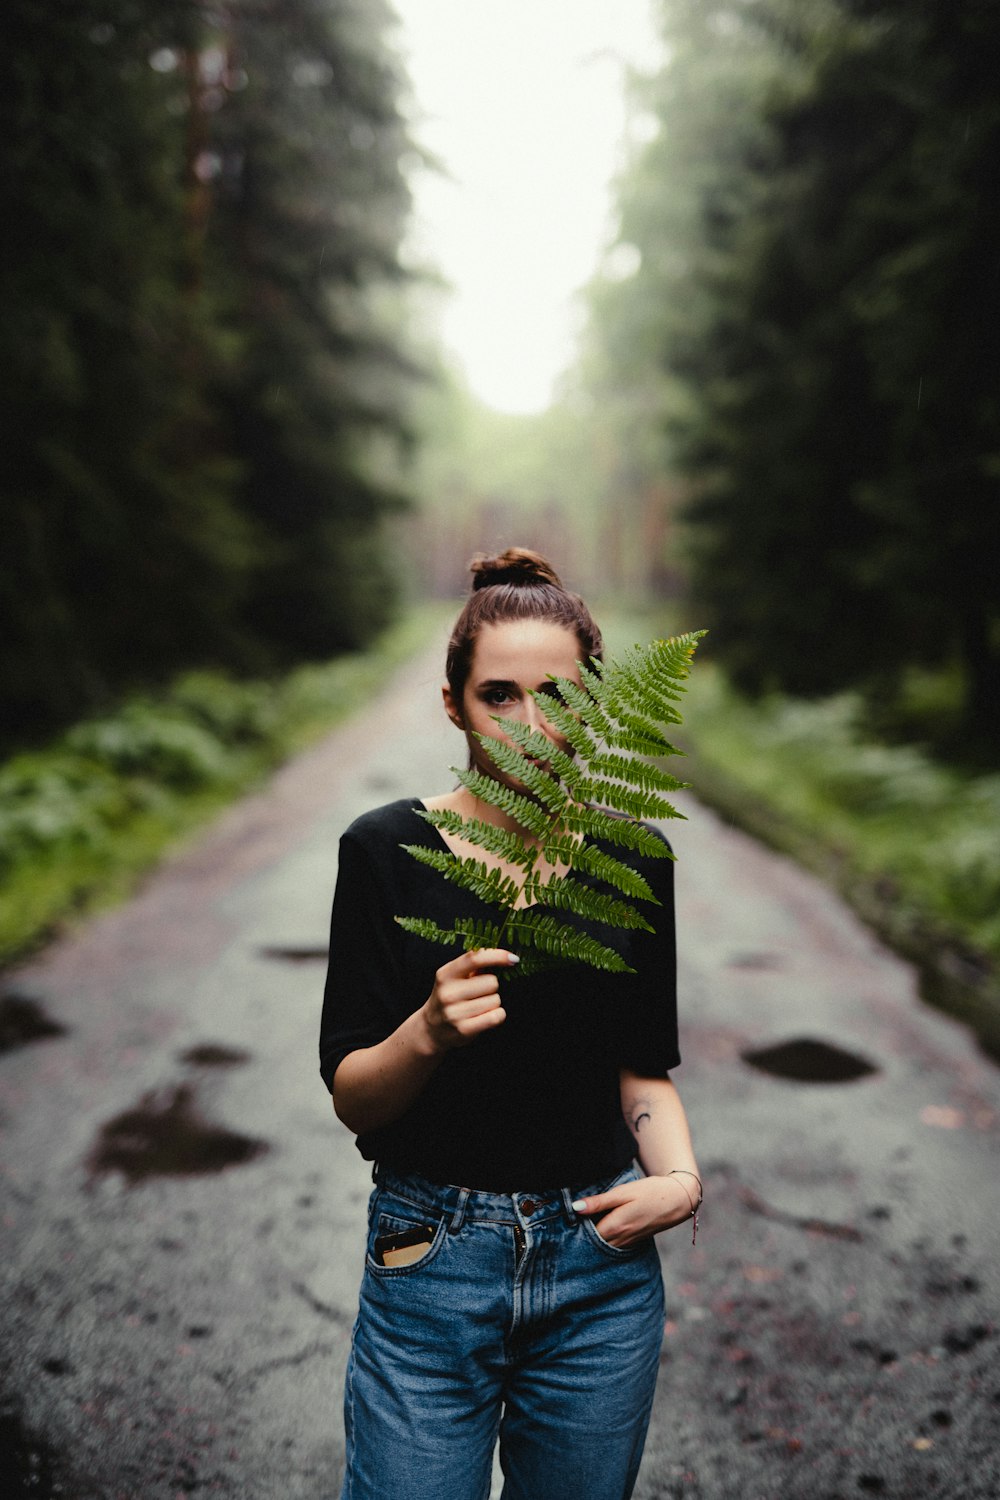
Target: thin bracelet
682	1172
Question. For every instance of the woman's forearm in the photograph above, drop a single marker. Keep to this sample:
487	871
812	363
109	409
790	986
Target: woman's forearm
375	1085
669	1194
655	1115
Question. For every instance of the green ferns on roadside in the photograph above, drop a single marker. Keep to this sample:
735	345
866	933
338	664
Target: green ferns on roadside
598	791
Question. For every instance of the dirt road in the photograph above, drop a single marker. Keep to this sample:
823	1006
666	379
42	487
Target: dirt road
182	1215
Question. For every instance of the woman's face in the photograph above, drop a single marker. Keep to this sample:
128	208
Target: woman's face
508	661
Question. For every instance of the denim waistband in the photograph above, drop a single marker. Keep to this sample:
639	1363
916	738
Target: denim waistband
461	1203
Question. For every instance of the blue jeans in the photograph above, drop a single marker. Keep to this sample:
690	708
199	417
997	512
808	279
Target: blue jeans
519	1321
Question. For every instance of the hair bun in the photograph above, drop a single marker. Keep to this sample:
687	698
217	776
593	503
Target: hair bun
517	566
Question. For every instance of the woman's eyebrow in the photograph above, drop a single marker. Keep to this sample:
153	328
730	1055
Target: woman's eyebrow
498	682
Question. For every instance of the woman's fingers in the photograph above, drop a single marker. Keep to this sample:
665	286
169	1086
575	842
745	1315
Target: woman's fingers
464	1019
483	1020
471	963
599	1203
454	991
465	999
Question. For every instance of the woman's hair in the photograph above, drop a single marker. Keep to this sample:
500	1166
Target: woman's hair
517	585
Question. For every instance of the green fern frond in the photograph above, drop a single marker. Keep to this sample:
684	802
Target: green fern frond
538	781
476	934
533	742
567	803
586	705
528	814
597	823
637	734
536	931
563	893
635	772
502	842
469	933
634	801
562	849
487	882
425	928
569	725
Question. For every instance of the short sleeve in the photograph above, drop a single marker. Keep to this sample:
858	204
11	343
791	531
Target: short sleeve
360	1000
648	1039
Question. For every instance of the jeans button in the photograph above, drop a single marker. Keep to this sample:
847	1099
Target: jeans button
528	1206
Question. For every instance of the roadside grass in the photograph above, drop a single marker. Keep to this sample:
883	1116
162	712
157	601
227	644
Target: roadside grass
83	818
911	843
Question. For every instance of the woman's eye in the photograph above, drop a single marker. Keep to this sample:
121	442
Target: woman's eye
496	696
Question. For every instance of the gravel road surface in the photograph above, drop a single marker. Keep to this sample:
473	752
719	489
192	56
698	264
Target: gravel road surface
183	1216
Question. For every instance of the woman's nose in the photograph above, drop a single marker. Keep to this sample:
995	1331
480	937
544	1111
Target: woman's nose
535	718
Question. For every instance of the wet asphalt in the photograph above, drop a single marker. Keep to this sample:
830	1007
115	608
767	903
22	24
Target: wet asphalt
182	1216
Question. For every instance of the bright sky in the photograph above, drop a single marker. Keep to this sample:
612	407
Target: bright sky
523	101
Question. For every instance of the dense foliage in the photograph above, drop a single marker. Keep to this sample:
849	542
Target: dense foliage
565	803
814	317
910	843
83	817
201	360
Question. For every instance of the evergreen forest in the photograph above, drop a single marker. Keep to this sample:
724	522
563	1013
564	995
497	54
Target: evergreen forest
805	341
205	369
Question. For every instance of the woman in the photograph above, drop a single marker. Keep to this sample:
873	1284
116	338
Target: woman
512	1283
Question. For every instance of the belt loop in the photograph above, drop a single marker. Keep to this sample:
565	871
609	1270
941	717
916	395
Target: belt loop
458	1217
566	1199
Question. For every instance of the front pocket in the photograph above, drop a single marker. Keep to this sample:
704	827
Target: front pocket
398	1246
401	1247
624	1252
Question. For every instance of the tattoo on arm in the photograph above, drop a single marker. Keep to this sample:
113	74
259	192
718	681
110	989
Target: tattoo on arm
638	1113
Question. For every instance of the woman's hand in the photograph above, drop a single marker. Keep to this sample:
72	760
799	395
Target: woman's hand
635	1211
465	1000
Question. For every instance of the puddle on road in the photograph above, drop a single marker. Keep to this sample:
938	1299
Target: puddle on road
22	1020
805	1060
26	1463
215	1055
296	955
166	1135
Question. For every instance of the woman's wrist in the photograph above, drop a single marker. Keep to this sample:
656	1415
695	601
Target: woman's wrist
421	1035
695	1193
686	1192
691	1183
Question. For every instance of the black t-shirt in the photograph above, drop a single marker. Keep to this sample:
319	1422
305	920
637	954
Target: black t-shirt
535	1103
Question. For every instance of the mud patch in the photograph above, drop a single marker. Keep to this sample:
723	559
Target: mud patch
296	955
765	961
963	1341
22	1020
215	1055
805	1060
166	1135
26	1463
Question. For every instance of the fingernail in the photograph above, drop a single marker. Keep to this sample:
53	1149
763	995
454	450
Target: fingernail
580	1205
512	958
